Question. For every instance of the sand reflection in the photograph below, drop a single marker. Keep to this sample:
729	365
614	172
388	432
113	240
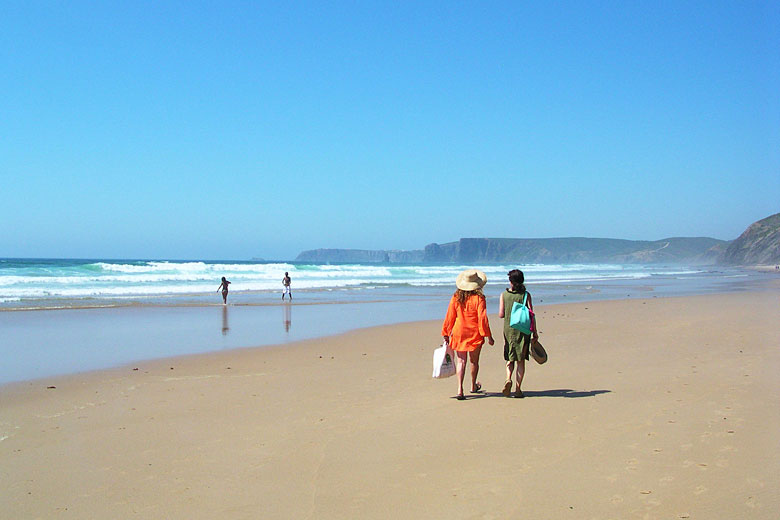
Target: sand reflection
287	316
225	326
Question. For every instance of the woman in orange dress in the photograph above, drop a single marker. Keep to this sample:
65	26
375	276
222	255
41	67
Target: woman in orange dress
466	325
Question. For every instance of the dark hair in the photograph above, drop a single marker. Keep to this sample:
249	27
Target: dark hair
516	278
223	279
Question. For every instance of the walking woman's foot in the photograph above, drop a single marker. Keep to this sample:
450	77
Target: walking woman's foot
519	393
507	388
460	397
477	389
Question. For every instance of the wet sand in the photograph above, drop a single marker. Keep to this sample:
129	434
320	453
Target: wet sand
647	408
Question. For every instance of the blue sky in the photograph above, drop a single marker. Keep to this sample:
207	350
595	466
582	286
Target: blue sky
231	130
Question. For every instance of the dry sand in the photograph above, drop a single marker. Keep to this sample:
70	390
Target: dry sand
655	408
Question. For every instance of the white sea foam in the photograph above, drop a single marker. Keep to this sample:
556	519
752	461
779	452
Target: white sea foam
106	279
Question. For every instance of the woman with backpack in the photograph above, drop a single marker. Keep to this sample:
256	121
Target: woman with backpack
516	343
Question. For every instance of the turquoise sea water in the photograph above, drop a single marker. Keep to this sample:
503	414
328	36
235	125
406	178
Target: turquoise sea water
67	316
46	284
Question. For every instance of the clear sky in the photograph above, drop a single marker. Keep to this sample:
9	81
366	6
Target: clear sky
232	130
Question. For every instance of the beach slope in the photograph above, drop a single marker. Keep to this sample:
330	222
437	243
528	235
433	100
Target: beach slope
647	408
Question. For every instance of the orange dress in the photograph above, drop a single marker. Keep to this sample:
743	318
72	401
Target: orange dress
466	325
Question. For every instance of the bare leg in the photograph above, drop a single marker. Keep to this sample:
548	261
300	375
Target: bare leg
520	374
474	357
460	370
510	366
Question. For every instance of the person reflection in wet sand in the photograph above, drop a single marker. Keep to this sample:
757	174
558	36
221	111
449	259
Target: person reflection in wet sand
225	327
287	317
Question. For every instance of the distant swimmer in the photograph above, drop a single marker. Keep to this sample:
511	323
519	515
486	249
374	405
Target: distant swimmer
286	281
224	287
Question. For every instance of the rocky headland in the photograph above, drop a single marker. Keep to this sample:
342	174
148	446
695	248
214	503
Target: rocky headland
759	244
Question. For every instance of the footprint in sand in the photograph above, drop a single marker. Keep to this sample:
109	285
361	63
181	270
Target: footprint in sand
751	502
702	465
616	499
666	479
699	490
688	463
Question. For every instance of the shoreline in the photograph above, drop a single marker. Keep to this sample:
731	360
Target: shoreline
647	407
554	280
117	336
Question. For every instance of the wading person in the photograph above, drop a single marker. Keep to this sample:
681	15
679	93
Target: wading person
286	281
224	287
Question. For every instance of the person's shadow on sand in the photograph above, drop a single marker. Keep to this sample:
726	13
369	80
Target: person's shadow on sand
561	392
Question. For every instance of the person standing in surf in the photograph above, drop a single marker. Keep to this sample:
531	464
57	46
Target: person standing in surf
224	287
286	281
466	326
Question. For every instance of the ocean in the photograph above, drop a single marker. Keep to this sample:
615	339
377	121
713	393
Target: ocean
68	316
30	284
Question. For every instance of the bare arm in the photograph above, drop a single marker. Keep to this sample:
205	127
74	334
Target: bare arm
501	306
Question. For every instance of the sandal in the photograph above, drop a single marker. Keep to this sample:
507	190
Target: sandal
460	397
477	388
519	394
507	388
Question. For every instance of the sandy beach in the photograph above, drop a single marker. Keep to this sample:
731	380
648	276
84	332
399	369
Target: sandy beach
647	408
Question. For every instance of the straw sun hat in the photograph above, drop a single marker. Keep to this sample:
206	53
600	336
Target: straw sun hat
538	352
471	280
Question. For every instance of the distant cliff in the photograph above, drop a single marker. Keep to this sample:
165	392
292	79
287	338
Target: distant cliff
758	245
575	250
536	250
360	256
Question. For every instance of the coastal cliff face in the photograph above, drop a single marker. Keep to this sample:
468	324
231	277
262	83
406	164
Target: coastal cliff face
541	250
758	245
574	250
360	256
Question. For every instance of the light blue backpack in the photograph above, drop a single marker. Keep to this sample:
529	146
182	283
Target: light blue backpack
520	317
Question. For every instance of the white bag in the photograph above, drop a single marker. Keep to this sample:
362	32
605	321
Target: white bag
443	362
